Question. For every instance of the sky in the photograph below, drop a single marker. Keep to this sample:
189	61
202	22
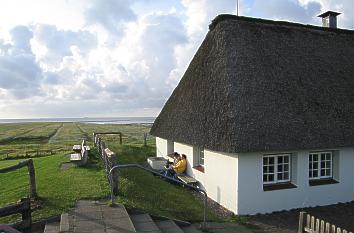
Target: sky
111	58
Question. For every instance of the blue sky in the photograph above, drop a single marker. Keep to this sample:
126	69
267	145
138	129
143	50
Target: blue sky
77	58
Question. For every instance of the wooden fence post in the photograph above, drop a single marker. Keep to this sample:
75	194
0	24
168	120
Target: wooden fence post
26	216
301	222
32	179
145	138
120	139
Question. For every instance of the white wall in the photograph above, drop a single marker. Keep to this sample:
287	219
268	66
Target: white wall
252	199
161	147
220	184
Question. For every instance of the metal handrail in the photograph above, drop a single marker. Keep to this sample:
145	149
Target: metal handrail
166	177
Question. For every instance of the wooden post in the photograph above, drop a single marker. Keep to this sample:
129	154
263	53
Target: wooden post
32	179
145	137
120	139
301	222
26	215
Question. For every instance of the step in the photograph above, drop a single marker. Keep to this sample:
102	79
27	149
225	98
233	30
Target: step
168	226
191	229
52	227
144	223
95	217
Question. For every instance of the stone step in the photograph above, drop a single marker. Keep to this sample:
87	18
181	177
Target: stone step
143	223
191	229
52	227
168	226
95	217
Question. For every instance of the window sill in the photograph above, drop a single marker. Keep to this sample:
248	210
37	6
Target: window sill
280	186
199	168
322	182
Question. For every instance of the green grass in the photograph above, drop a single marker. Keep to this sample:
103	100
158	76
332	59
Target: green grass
59	190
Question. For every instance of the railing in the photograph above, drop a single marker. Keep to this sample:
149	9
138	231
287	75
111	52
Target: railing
158	174
31	173
24	207
316	225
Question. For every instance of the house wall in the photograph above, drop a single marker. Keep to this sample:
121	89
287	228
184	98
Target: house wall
213	178
252	199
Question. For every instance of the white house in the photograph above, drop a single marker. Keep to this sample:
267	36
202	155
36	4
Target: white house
265	115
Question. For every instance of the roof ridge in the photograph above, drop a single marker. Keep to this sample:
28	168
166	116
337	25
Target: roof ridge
226	17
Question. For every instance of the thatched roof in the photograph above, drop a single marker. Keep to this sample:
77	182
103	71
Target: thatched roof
259	85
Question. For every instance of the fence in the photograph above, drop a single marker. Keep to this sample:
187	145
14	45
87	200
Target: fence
31	173
316	225
109	160
24	208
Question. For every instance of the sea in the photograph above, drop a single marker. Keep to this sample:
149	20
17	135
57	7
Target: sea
88	120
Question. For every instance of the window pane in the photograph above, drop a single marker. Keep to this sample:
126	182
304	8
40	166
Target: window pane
271	160
280	159
315	157
328	156
286	159
265	178
310	174
265	160
265	169
271	169
286	175
315	166
323	164
328	164
271	178
323	156
315	173
323	172
280	176
286	167
280	168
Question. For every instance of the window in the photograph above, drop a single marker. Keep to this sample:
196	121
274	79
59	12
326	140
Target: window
320	165
201	156
276	168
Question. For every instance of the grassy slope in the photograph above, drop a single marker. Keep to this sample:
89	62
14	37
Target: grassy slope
60	189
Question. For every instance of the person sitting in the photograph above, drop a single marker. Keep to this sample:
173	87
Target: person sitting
176	158
178	168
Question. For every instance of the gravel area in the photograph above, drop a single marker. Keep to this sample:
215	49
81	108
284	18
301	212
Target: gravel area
341	214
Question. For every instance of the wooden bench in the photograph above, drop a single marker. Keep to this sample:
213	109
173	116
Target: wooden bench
187	179
81	155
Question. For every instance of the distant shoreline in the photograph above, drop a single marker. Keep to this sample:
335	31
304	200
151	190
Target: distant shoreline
87	120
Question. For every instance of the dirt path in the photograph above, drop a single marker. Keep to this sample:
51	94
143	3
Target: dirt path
52	138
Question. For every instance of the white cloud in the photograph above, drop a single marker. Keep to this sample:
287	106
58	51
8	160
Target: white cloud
115	56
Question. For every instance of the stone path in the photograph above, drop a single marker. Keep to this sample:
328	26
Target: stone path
98	217
94	217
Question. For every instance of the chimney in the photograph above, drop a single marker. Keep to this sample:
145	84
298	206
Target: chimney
329	19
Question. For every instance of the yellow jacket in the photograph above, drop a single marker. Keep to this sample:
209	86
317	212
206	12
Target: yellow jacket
181	166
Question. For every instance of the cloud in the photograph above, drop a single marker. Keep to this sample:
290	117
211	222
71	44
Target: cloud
21	36
110	14
58	43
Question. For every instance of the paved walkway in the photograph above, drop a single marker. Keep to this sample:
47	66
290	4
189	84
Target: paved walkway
97	218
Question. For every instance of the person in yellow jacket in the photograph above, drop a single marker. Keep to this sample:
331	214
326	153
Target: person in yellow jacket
178	168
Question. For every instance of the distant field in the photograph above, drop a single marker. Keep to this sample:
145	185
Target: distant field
40	139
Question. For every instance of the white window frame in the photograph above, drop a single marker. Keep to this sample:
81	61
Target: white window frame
201	158
319	165
275	171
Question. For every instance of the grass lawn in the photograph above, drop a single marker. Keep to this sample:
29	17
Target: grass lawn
59	190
